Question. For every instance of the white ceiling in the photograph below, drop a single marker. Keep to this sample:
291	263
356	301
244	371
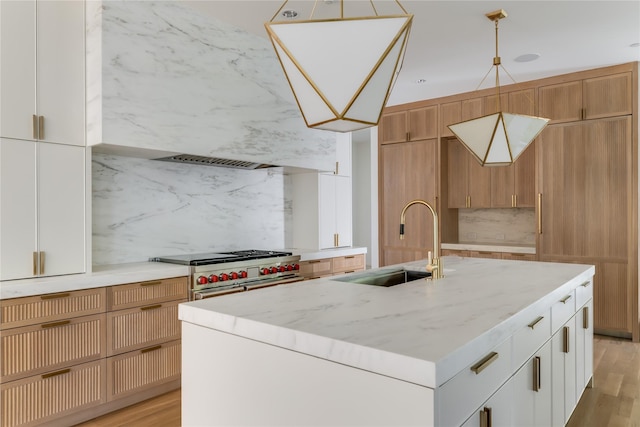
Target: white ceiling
452	43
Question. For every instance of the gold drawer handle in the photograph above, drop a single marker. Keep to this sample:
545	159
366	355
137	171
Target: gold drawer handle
55	374
565	339
535	322
585	317
585	284
350	257
315	261
154	348
54	324
485	417
154	283
347	272
484	363
54	296
537	375
565	299
151	307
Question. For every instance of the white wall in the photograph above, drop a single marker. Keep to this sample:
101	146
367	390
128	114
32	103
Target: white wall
365	193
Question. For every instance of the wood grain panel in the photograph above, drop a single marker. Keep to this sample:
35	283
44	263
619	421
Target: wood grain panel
458	175
523	102
612	307
607	96
40	399
561	102
48	308
490	104
133	372
135	294
423	123
348	263
393	128
472	108
139	327
394	256
36	349
316	268
450	113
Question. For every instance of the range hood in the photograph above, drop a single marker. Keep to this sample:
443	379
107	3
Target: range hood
214	161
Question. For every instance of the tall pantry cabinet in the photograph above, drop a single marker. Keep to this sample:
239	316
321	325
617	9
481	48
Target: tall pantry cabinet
42	139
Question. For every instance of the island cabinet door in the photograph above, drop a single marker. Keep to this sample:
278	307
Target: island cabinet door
532	390
495	412
563	373
584	347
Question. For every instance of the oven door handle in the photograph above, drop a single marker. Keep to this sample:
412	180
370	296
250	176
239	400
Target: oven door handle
275	282
215	293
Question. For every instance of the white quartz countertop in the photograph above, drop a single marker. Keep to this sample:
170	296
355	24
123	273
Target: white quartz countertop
108	275
421	332
313	254
516	249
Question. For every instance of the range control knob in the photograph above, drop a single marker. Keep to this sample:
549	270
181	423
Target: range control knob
213	278
202	280
273	270
264	271
234	275
289	267
282	268
296	266
243	274
224	277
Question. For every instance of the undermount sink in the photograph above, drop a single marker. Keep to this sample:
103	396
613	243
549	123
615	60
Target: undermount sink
386	278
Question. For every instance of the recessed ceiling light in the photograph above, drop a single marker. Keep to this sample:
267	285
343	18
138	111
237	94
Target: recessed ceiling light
289	13
634	45
527	57
421	81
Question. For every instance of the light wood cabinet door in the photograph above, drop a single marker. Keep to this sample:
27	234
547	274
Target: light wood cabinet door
523	102
136	371
469	182
393	127
148	292
491	106
423	123
479	184
514	186
561	102
314	269
407	172
472	108
450	113
348	264
42	399
612	298
607	96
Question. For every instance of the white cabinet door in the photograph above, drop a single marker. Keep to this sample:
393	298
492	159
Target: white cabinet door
42	209
563	371
327	210
584	347
61	223
18	240
18	68
344	209
42	56
343	154
532	390
60	70
497	411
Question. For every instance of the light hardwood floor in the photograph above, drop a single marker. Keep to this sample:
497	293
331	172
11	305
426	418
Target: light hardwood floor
613	401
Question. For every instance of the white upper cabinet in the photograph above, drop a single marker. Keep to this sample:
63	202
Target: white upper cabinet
42	209
42	71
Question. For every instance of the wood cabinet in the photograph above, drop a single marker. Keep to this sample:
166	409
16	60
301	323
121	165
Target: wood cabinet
412	125
407	172
143	335
43	65
450	113
317	268
42	209
469	182
514	186
489	254
592	98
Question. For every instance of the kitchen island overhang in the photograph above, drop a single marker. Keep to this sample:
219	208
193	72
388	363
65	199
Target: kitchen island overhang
422	333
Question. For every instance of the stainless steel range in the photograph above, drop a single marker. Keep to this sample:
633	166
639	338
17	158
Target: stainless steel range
220	273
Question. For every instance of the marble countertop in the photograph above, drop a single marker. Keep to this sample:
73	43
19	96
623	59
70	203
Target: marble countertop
313	254
421	332
107	275
491	247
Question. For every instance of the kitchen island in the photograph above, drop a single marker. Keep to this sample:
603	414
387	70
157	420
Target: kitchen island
509	341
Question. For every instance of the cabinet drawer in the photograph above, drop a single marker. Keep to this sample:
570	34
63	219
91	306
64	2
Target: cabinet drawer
518	256
48	308
41	399
562	311
349	264
132	372
530	338
584	293
485	254
316	268
139	327
465	392
40	348
145	293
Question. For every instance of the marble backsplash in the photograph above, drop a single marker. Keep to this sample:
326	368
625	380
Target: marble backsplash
143	208
497	226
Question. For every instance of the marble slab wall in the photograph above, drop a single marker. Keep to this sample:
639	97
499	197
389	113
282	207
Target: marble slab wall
144	208
163	76
497	226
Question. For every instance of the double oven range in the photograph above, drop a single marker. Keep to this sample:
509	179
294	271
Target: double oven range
220	273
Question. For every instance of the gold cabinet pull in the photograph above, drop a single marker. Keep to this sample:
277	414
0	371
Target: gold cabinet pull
152	283
485	417
484	363
55	296
515	200
539	213
147	350
585	317
533	324
40	127
315	261
34	124
151	307
41	262
55	324
408	136
335	240
585	284
565	339
35	263
536	374
565	299
56	373
350	257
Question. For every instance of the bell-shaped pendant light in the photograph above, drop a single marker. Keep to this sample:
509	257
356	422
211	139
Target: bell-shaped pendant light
498	139
341	70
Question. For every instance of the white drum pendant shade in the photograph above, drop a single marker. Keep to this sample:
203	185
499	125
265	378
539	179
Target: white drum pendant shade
341	71
498	139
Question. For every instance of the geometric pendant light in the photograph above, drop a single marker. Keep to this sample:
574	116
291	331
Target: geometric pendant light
341	70
498	139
